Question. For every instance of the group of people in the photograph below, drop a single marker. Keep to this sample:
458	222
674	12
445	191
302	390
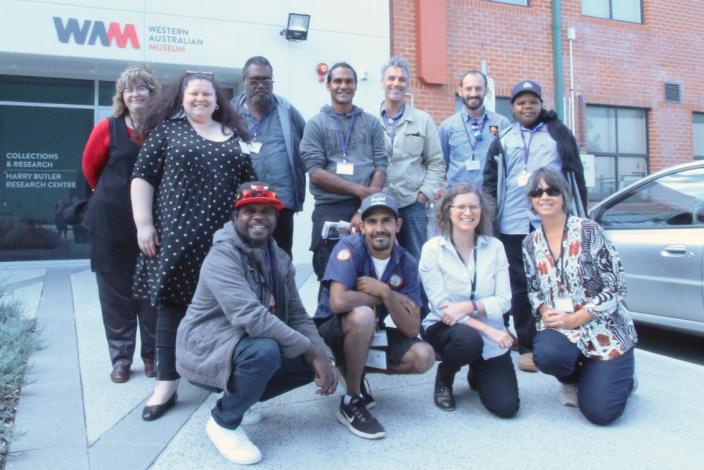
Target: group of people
192	230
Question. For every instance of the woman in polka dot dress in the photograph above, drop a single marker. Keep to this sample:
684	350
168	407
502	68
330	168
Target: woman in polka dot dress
183	185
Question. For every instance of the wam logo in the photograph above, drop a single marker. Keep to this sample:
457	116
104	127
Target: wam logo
94	31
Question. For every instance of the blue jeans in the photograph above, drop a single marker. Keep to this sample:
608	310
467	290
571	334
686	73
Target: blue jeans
414	231
604	386
259	372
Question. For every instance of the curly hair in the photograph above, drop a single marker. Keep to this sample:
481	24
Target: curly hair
442	211
168	105
133	76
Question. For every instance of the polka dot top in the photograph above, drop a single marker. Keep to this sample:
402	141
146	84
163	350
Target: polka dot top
195	181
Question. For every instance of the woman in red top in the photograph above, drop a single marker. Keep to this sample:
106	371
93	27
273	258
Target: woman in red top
108	160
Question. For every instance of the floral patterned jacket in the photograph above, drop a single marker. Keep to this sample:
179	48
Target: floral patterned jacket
590	272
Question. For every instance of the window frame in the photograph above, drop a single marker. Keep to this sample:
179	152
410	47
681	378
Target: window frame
611	13
694	116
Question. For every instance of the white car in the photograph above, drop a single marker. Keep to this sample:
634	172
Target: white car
657	226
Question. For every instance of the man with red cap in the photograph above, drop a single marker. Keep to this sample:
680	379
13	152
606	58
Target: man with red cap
246	331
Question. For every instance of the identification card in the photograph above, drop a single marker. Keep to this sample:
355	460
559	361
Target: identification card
472	165
376	359
345	168
244	146
380	340
255	147
564	304
522	179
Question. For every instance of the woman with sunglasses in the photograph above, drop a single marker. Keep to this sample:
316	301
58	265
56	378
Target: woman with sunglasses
576	288
465	275
183	185
108	161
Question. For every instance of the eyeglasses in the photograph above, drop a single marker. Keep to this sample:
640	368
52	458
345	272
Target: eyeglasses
550	191
140	90
259	81
466	207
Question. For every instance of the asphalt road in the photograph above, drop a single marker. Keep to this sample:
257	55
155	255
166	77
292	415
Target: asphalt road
681	346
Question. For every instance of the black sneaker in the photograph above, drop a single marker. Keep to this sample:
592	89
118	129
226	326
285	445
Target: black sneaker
366	396
358	420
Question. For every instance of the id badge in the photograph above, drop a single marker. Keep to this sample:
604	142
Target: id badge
376	359
564	304
472	165
345	168
380	340
255	147
244	146
522	179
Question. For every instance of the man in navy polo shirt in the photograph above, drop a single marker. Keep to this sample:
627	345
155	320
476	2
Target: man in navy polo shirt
369	277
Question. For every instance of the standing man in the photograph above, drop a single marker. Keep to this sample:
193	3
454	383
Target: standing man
465	136
246	332
276	128
368	277
416	167
537	140
344	155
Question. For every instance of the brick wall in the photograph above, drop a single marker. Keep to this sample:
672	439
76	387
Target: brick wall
615	63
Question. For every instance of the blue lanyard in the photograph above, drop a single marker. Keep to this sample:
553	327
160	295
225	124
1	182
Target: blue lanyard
391	123
478	135
343	136
526	147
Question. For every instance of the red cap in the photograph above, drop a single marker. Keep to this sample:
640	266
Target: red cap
256	192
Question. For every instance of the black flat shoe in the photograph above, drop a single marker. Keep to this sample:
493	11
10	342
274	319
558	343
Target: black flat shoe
150	413
444	398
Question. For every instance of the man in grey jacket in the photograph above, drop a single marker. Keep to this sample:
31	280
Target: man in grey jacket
343	152
277	128
246	332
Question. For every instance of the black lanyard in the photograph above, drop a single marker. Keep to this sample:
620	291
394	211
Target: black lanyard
481	130
474	275
560	260
343	136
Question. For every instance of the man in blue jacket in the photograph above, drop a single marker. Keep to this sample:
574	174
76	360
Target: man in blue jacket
277	128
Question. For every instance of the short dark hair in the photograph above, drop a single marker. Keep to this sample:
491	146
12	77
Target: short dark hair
553	179
442	214
256	60
341	65
475	72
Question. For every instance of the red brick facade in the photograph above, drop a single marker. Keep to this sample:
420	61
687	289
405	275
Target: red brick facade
615	63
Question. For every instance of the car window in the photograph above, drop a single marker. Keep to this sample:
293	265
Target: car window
672	200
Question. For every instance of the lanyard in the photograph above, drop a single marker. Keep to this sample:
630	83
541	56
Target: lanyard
476	140
343	136
560	260
474	275
256	123
391	123
526	147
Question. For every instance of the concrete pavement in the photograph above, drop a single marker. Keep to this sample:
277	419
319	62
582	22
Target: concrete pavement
74	417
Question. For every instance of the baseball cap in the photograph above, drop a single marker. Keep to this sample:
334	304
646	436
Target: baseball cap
378	200
526	86
256	192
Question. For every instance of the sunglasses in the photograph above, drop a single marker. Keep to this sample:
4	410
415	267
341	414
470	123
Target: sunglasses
550	191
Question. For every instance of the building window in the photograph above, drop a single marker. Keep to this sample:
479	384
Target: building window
512	2
623	10
698	135
503	107
618	139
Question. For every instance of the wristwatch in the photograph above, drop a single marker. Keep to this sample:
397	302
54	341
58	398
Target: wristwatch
475	312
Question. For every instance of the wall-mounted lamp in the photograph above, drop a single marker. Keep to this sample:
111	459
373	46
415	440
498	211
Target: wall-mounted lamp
297	27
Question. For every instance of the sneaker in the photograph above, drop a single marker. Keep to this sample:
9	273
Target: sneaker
233	444
358	420
526	364
251	417
366	395
568	394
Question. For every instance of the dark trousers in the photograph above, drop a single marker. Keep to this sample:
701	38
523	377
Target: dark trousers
259	372
322	248
603	386
523	319
122	313
496	378
414	230
169	315
283	234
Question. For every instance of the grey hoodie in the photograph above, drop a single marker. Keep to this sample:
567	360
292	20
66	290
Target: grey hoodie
229	303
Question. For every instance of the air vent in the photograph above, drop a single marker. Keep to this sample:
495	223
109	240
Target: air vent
672	93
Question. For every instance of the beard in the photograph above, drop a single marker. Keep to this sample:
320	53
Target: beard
262	102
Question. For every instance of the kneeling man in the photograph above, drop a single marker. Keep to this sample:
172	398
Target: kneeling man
368	277
246	332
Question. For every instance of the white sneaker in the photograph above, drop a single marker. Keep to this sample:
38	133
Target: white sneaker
251	417
568	394
234	445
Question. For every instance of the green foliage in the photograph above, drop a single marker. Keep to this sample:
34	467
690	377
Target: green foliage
17	341
16	234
